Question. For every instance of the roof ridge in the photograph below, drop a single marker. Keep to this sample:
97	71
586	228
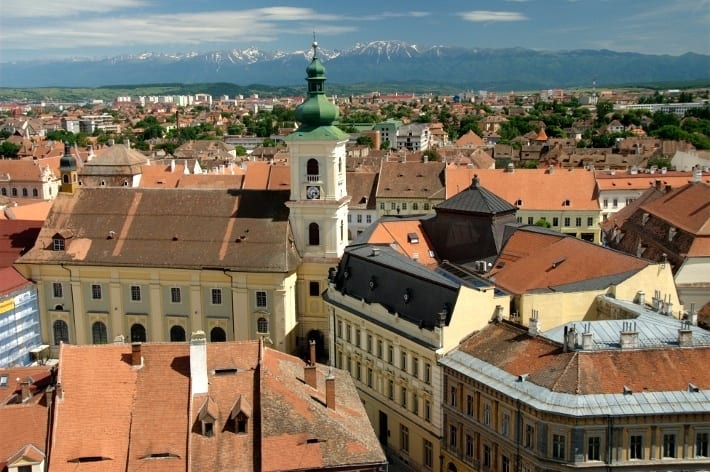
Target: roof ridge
573	360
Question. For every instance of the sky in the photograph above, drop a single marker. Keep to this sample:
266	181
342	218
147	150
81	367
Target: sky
53	29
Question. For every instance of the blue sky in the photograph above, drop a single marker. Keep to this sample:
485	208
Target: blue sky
41	29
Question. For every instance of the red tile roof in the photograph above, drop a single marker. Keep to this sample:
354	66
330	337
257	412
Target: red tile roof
16	238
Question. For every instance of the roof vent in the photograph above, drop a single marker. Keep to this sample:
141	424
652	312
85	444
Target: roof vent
692	388
375	252
111	234
522	377
628	391
413	238
557	262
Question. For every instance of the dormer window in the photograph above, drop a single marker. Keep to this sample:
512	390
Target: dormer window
239	416
566	203
518	202
58	244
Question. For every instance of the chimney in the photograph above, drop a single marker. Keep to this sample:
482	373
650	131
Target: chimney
48	396
587	338
198	363
127	143
629	338
330	391
697	175
310	375
692	315
534	327
60	391
641	298
570	338
685	335
510	167
136	357
550	169
25	385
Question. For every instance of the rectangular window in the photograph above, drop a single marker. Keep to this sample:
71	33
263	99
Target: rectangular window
415	404
58	245
504	464
606	203
567	220
382	205
260	299
415	367
340	329
404	205
358	371
518	219
469	405
469	446
339	360
216	296
594	448
359	218
452	437
393	206
426	206
428	454
590	221
636	447
701	444
555	221
529	436
175	296
358	339
390	354
558	446
379	349
505	425
427	373
530	220
578	221
390	389
404	438
369	344
135	293
403	397
427	410
314	288
669	449
96	292
486	456
350	220
616	203
348	336
350	365
369	377
487	414
57	290
452	395
368	219
403	361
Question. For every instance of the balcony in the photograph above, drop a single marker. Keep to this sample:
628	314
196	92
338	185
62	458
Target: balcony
313	178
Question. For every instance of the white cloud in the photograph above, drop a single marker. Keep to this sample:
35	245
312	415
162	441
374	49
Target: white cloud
51	9
486	15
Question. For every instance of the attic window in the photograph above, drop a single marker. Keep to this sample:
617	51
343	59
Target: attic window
226	371
207	428
413	238
3	381
566	203
518	202
58	244
89	459
161	455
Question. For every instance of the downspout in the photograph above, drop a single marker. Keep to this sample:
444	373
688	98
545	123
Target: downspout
610	441
71	294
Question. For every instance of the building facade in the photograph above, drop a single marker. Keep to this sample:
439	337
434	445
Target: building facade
19	319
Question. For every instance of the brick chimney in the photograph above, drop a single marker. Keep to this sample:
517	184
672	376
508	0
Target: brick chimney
685	335
310	372
629	337
330	391
25	386
198	363
136	355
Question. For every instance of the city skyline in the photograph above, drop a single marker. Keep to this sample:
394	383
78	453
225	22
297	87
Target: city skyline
113	27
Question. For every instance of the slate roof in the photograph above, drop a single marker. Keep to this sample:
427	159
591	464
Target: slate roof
149	421
476	199
411	180
393	274
243	230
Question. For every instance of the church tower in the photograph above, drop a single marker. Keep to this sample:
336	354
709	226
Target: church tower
318	204
68	171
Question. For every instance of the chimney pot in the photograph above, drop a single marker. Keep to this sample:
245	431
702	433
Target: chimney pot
685	336
198	363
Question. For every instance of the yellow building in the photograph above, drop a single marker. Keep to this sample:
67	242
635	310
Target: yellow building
622	394
155	264
393	319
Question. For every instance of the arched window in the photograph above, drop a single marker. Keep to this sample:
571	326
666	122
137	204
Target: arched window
65	178
312	167
262	325
313	234
3	191
138	333
217	335
24	192
61	332
35	193
14	192
177	334
99	334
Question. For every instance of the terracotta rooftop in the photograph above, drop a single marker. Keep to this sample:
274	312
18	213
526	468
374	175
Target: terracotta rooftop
406	236
563	190
361	186
534	259
470	139
622	180
687	207
16	238
411	180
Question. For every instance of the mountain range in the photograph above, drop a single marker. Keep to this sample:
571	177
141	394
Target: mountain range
377	62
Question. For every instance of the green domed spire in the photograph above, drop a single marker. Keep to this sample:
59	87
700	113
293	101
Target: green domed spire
317	110
67	161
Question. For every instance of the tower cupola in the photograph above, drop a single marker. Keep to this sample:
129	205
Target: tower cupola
317	110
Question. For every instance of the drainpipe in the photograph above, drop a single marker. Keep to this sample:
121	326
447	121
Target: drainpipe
71	294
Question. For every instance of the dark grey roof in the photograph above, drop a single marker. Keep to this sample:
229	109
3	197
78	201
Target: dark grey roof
380	274
478	200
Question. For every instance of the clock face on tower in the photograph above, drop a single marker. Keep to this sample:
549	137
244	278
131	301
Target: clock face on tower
313	193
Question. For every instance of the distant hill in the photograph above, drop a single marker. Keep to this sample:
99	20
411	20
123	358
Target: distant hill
371	63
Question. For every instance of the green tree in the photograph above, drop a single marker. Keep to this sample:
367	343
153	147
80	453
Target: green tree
432	155
660	162
543	223
385	144
365	141
4	134
240	150
603	109
8	149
